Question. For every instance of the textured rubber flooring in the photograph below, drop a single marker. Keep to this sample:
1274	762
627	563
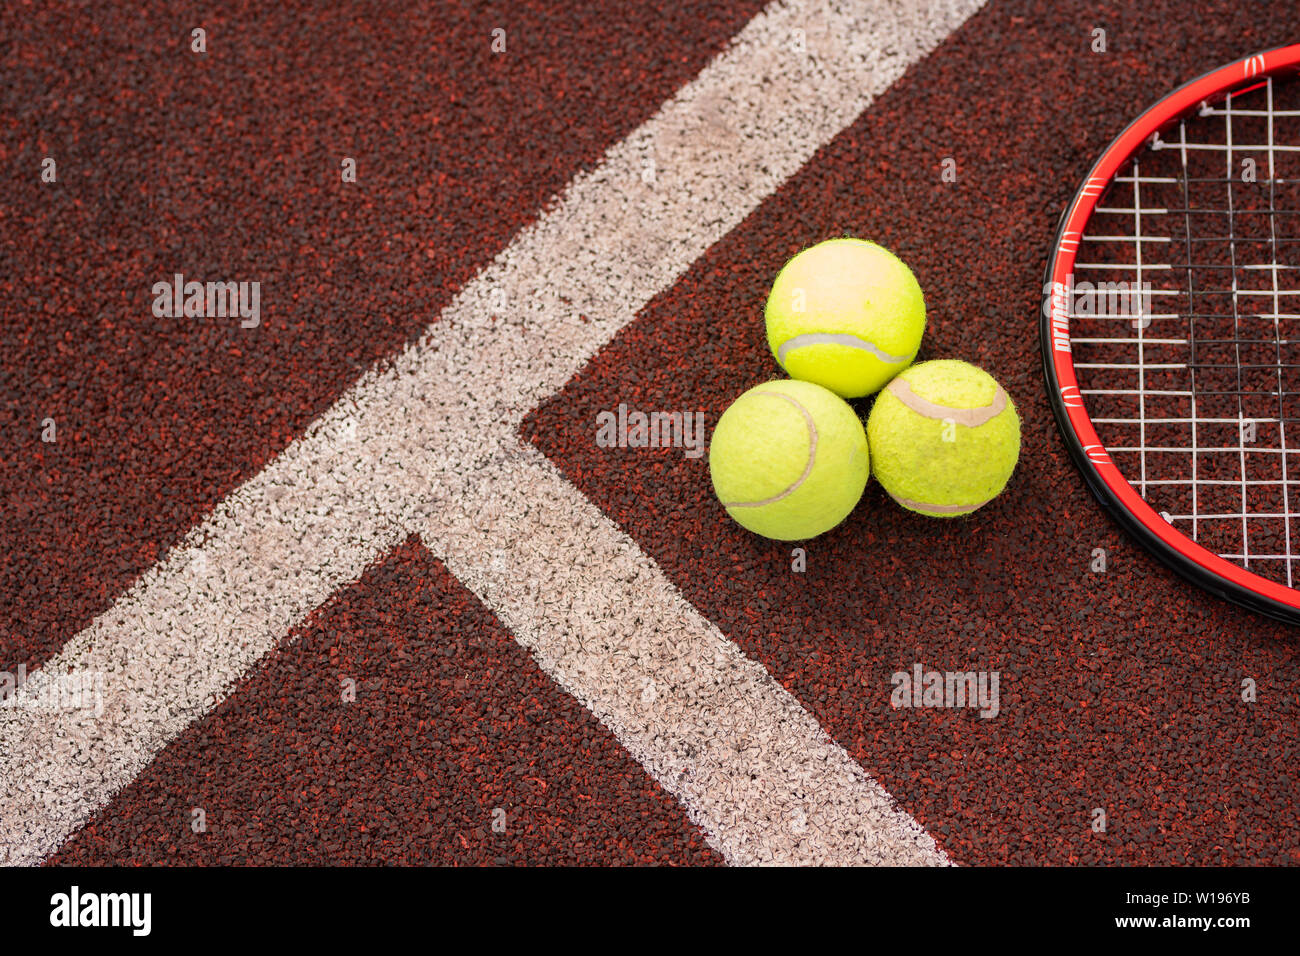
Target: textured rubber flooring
228	165
1120	691
402	725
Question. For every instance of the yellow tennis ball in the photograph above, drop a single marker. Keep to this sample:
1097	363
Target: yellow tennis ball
847	314
789	460
944	438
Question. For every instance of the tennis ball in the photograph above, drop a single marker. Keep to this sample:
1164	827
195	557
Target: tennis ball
789	460
847	314
944	438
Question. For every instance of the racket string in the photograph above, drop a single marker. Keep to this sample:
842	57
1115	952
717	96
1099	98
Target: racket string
1195	391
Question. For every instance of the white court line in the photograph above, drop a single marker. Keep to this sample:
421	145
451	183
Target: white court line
754	770
428	444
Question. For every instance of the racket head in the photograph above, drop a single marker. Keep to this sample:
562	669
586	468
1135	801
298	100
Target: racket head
1172	537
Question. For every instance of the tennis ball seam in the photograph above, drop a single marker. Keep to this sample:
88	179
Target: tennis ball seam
939	509
970	417
812	456
847	339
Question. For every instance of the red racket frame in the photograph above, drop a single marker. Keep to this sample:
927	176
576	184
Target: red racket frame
1103	478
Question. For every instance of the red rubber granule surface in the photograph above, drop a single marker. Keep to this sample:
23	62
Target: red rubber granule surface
1119	690
451	722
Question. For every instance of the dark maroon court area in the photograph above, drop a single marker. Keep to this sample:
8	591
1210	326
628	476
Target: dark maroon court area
1121	688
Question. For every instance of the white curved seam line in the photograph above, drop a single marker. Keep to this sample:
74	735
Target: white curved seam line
812	458
970	417
839	338
939	509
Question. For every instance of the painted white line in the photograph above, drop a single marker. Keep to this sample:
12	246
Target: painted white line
420	444
754	770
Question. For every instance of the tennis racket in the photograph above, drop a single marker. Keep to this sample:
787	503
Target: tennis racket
1171	331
